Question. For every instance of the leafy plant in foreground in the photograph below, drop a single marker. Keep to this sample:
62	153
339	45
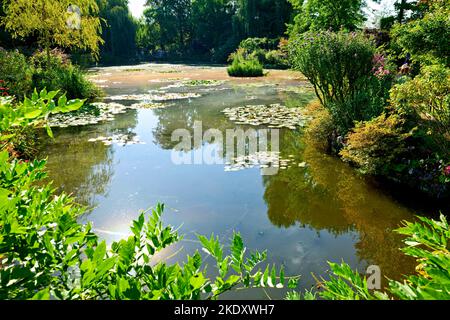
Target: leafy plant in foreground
427	241
17	118
45	253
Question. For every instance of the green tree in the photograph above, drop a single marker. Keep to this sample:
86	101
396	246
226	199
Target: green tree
120	28
427	38
214	16
47	20
172	18
327	14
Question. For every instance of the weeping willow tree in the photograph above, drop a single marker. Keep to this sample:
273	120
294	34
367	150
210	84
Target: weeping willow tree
72	24
119	31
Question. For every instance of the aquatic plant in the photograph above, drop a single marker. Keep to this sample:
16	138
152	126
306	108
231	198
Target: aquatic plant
273	116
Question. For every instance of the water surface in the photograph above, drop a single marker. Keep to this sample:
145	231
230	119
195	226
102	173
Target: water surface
304	217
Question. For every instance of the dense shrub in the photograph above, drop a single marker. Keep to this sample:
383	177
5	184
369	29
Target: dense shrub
15	73
427	96
344	72
245	66
271	53
320	128
427	39
276	59
61	75
253	44
375	145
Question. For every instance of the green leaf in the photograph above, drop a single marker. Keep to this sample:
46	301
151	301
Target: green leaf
197	281
49	131
42	295
99	252
33	114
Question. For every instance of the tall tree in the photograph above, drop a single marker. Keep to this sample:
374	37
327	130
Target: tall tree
51	22
215	16
172	18
119	31
327	14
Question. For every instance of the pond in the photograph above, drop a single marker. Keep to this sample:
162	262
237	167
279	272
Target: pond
315	209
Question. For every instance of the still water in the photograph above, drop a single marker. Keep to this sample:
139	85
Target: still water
304	216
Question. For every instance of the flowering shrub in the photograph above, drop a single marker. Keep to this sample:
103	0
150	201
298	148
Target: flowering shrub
3	89
380	66
427	97
341	68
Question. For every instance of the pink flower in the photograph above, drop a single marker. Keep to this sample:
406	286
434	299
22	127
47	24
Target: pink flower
447	170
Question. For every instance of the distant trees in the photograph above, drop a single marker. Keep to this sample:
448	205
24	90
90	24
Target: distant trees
204	27
119	28
327	15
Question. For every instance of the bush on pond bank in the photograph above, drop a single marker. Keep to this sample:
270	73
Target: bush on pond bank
356	83
340	66
244	66
61	75
21	75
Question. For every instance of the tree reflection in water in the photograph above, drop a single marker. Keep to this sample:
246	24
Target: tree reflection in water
329	195
84	168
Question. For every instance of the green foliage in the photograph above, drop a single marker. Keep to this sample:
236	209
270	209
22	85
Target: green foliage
254	44
427	97
342	70
34	111
118	31
245	66
46	253
174	28
269	52
216	17
427	39
427	241
321	127
276	59
47	20
332	15
58	73
374	146
15	73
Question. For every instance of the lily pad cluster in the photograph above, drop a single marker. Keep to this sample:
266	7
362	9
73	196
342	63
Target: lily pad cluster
118	139
273	116
263	160
104	112
149	105
155	96
195	83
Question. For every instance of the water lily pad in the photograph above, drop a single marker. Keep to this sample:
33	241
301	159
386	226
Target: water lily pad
274	116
